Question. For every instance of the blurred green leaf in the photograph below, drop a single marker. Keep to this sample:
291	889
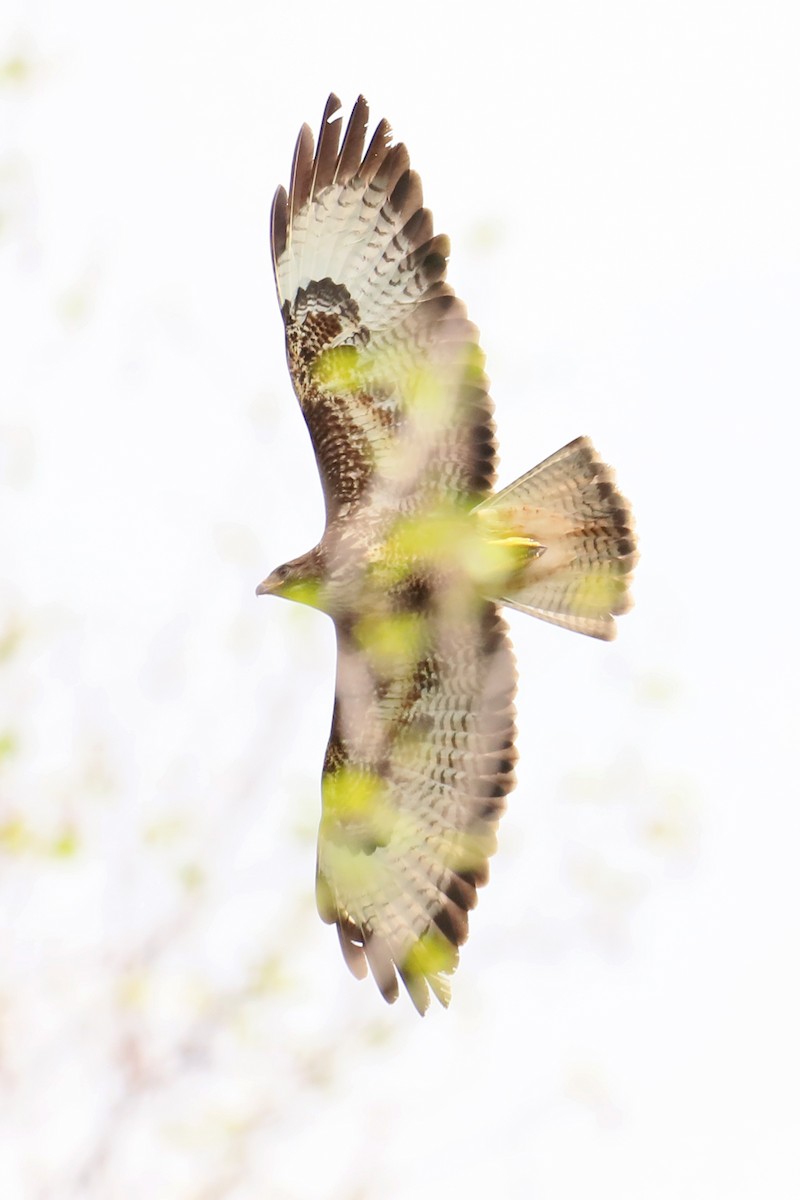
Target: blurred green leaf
8	744
16	70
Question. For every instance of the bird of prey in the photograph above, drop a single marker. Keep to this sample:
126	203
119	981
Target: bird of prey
418	554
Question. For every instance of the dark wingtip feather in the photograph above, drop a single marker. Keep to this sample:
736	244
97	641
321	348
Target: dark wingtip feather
417	231
393	166
460	888
353	142
332	105
417	988
279	222
302	165
406	196
376	151
382	966
452	922
352	947
327	153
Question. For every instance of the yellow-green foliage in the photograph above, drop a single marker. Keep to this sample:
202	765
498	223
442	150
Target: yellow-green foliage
598	592
425	394
337	370
392	642
8	744
356	799
450	540
431	955
305	591
19	838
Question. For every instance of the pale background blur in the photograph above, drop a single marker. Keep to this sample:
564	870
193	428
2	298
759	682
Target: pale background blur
621	186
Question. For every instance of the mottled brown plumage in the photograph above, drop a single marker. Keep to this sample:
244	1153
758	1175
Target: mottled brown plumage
417	554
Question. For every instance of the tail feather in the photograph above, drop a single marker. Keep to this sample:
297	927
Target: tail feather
582	529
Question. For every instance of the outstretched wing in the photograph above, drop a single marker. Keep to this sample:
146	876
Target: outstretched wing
420	759
384	362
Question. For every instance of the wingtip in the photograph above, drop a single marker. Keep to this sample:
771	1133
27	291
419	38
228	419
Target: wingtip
332	106
279	221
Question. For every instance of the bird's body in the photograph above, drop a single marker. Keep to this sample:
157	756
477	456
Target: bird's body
417	555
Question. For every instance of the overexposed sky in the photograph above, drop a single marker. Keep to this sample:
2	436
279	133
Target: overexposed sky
621	186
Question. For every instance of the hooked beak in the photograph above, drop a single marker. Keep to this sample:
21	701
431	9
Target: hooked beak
267	586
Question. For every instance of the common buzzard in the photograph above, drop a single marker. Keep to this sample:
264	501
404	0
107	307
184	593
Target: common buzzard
418	554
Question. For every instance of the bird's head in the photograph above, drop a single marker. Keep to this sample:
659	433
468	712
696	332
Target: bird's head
300	580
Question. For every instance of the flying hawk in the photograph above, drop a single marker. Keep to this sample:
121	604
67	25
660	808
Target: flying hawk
418	554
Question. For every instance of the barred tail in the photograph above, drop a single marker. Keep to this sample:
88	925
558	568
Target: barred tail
578	534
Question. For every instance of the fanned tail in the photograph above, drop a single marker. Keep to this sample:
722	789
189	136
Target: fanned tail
574	535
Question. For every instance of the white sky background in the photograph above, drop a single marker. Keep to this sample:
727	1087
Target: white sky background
621	185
